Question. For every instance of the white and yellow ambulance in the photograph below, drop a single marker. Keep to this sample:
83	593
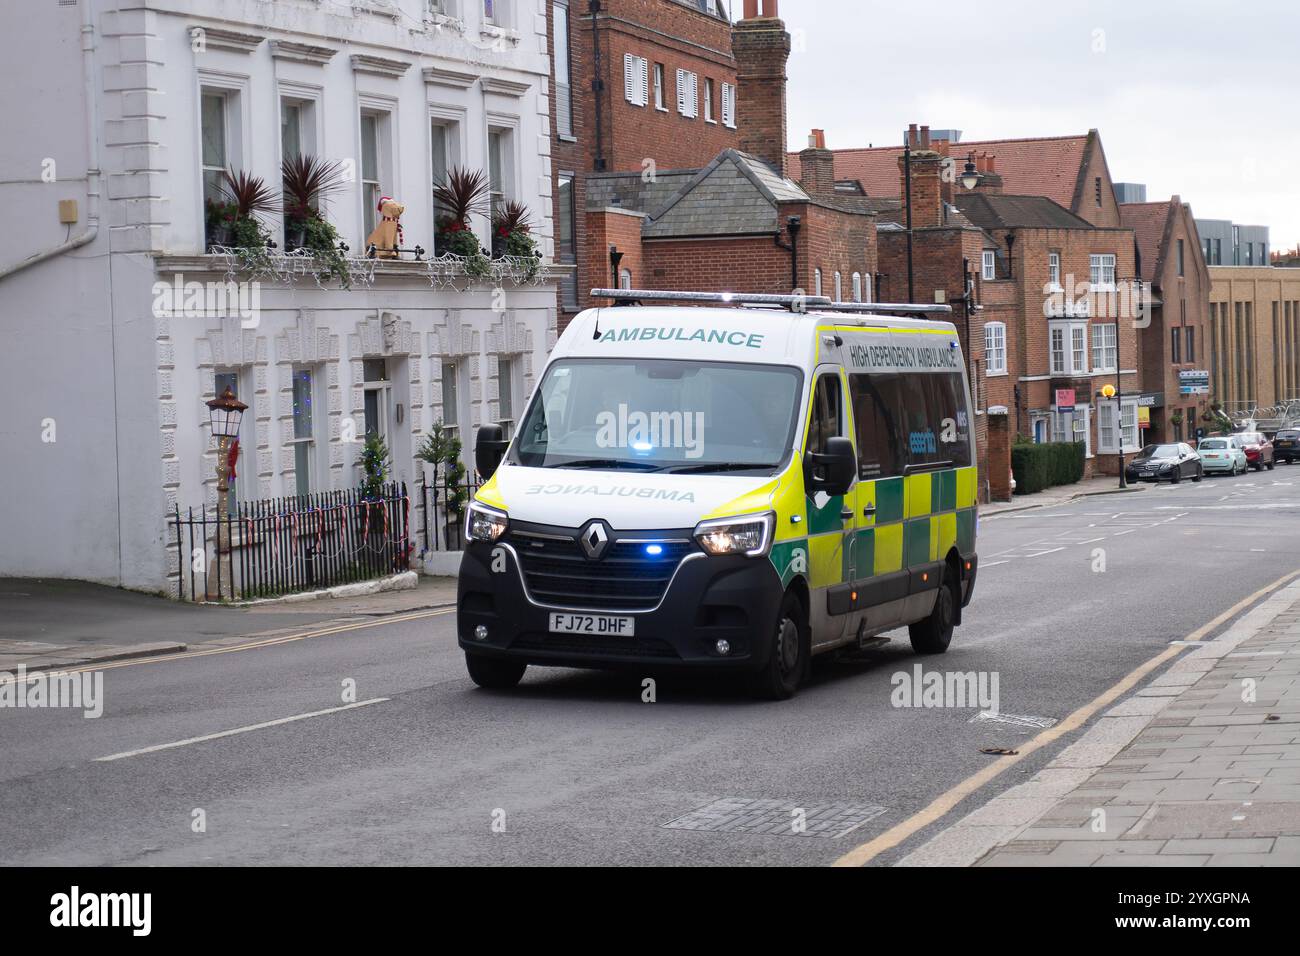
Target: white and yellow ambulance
730	483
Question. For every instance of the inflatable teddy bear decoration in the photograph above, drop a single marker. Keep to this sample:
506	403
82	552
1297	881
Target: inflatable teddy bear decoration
387	235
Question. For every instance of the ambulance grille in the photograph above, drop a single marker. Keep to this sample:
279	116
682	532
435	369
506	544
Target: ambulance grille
627	578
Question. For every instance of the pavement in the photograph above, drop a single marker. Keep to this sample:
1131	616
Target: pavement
52	624
364	741
1199	768
1061	494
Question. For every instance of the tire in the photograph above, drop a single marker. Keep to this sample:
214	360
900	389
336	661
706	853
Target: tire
1270	465
779	678
1177	475
1200	473
494	673
934	634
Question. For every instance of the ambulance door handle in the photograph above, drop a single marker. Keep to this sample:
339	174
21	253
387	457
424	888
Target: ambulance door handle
869	511
847	514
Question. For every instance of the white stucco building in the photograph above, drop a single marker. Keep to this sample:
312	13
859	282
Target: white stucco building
112	111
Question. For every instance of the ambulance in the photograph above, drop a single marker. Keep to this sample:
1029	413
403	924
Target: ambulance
725	483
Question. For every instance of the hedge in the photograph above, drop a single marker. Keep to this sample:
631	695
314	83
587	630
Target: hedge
1039	466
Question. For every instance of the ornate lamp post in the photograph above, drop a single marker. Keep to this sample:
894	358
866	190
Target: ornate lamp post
225	413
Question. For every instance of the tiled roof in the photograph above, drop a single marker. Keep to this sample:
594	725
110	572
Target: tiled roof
1044	166
631	191
1148	221
736	194
997	211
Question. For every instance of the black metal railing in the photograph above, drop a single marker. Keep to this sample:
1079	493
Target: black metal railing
445	503
284	545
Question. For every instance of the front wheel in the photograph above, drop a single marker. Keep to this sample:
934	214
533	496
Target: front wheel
779	678
934	634
1177	476
1270	466
494	673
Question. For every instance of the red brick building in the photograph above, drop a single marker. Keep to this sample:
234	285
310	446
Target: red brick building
1176	345
1037	269
695	193
639	86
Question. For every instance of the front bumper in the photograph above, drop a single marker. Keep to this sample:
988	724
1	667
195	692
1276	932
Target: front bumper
1131	474
709	598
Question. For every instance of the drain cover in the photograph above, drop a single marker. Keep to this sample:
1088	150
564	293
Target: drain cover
776	818
1016	720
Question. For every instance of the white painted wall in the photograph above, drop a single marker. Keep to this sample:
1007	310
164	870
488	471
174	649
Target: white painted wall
80	343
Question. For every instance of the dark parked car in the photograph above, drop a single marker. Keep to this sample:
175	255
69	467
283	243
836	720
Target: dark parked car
1259	450
1172	463
1286	445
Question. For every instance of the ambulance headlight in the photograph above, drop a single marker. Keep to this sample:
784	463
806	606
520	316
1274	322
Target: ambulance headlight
484	523
750	535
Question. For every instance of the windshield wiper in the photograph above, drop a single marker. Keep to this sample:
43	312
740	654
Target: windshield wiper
721	466
611	463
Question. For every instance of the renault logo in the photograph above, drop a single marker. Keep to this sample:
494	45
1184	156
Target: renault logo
594	539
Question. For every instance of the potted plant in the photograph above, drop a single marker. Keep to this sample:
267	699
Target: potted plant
462	194
512	232
442	450
308	182
218	222
249	195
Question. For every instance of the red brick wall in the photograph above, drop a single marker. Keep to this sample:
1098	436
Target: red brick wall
603	230
762	48
662	31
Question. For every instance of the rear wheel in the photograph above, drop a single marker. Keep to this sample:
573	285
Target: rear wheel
779	678
494	673
1200	473
1270	466
934	634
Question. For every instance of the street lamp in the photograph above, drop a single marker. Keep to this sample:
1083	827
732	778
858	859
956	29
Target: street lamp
224	413
1110	392
970	177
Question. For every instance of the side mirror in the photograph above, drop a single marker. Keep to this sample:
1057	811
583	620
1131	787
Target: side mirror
489	448
831	471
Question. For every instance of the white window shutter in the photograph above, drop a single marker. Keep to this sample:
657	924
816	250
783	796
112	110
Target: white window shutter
681	92
629	78
728	105
695	95
645	81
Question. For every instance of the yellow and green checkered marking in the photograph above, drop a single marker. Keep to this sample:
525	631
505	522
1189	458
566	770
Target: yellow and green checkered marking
918	519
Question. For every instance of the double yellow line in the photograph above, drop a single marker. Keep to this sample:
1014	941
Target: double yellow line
251	645
945	802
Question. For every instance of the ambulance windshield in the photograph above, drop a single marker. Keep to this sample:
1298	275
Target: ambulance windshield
661	415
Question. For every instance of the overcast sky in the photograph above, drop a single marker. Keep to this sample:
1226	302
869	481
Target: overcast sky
1195	98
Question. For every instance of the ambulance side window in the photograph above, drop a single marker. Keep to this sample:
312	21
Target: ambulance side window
827	413
876	409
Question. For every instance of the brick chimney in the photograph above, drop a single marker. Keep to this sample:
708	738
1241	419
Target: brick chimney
990	179
927	179
761	48
817	166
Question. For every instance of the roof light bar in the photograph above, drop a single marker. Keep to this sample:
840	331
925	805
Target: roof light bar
636	296
889	308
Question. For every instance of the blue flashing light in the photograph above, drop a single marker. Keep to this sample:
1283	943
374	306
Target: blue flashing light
654	549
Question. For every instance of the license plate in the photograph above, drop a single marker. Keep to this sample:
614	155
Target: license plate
1211	456
1285	444
592	624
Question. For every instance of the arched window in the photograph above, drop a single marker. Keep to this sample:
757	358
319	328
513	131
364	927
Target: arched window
625	279
867	289
995	348
857	287
817	282
838	288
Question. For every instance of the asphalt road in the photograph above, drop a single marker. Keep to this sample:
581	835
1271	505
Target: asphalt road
574	768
